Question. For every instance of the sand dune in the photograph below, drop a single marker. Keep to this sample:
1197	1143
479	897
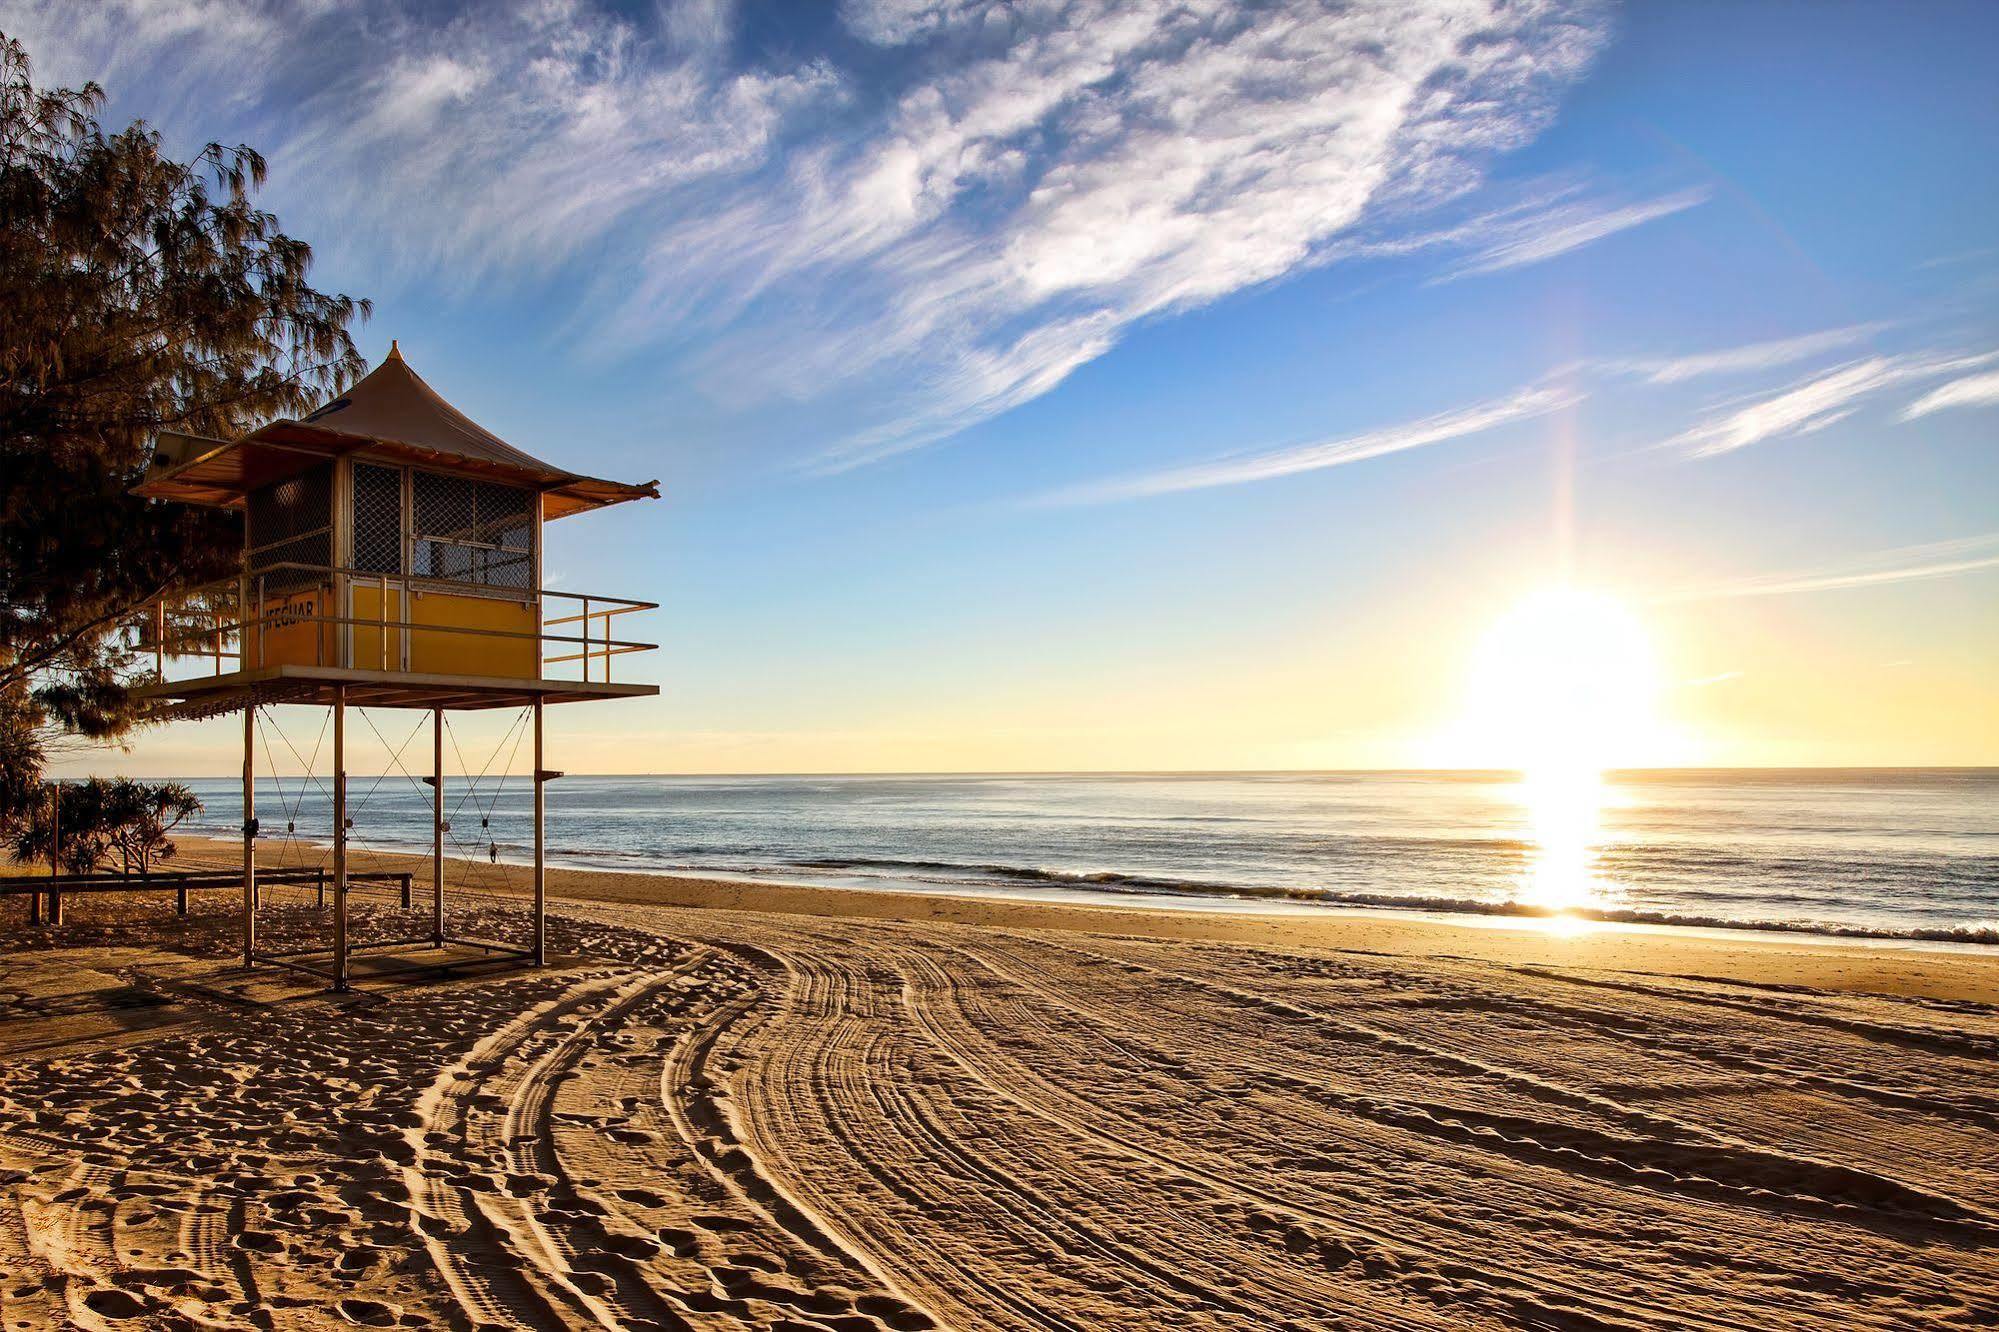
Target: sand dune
714	1118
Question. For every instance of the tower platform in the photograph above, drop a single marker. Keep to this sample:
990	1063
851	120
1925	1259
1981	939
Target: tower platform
219	695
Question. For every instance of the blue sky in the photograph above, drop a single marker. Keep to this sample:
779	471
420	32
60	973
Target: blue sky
1068	385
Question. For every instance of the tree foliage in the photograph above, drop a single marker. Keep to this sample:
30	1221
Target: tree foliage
140	294
118	825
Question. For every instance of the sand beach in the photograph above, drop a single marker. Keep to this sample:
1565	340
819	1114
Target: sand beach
741	1105
1278	666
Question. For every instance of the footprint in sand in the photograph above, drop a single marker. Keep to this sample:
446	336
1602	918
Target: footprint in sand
369	1313
115	1303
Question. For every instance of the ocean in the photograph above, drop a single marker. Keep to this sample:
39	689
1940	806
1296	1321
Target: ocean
1901	853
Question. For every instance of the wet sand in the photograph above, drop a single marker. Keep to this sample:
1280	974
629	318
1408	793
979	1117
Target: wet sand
742	1105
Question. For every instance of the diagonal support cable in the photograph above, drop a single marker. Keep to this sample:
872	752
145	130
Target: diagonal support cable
291	841
475	870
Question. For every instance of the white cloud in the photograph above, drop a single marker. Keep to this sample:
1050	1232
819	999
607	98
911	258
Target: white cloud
1813	404
991	209
169	49
1536	236
1970	391
415	93
897	22
1817	402
1740	360
1905	564
1521	406
1551	218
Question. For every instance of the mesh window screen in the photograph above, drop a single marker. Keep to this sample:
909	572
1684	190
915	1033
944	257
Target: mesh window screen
472	531
506	523
291	522
378	519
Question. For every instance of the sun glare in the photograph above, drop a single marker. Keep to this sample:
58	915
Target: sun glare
1562	687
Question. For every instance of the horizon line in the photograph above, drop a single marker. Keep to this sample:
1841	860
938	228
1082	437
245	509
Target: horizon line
1194	772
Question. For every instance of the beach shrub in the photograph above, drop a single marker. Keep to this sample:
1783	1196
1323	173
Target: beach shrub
114	826
141	294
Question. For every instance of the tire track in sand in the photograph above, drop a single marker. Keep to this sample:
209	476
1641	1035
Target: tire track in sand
521	1240
1415	1266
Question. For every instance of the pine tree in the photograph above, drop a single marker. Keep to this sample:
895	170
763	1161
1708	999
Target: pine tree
137	294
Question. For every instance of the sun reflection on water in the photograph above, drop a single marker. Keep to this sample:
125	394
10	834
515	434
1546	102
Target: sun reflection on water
1564	810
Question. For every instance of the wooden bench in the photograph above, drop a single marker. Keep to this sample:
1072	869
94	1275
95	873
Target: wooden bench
180	884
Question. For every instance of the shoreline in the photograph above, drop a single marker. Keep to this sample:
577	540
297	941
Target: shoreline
1115	889
1901	967
1850	854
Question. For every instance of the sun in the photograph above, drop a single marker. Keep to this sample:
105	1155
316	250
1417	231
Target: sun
1562	687
1565	681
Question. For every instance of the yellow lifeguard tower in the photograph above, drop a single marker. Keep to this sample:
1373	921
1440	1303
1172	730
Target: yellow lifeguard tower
392	557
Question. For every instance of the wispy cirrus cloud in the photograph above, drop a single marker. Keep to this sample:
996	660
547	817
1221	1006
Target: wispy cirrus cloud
1819	401
1550	219
909	242
1980	390
1525	405
466	147
1536	236
1750	357
1903	564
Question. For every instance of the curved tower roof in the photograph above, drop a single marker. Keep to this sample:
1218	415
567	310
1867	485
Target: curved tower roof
391	412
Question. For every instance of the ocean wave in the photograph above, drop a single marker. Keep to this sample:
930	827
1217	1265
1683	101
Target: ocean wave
1881	856
1981	932
1024	873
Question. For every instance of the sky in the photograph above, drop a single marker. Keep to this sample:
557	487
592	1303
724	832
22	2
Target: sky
1068	385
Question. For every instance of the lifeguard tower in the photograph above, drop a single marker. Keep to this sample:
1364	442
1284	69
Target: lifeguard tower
392	558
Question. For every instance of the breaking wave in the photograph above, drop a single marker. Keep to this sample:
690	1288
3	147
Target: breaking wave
1895	855
1149	885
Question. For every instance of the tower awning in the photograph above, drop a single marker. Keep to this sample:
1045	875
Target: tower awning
391	413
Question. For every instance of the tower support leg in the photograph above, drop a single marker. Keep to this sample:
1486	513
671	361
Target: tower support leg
437	827
540	841
340	837
249	836
55	852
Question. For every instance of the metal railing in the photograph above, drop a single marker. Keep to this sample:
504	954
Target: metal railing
230	621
